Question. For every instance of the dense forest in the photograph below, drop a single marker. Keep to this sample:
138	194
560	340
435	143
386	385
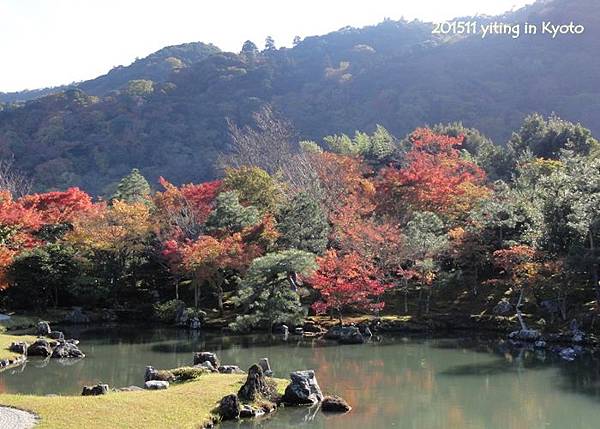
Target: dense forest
440	219
167	114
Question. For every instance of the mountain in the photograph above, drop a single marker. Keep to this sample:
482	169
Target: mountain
156	67
396	73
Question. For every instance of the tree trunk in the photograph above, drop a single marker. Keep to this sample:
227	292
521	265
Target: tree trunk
406	302
196	295
594	268
519	314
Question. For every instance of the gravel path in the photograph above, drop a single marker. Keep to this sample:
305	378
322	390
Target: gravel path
11	418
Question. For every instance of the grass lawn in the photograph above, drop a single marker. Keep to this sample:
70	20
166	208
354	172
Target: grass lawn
186	405
6	340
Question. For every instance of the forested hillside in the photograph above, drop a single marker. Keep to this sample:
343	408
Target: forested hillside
395	74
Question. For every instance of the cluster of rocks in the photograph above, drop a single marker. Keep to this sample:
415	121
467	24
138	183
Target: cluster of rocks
567	345
303	390
185	319
54	345
211	363
349	334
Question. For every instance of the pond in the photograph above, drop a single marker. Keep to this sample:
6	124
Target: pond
397	382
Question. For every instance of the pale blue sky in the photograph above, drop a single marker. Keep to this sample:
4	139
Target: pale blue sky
53	42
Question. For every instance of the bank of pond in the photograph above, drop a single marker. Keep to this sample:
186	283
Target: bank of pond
389	380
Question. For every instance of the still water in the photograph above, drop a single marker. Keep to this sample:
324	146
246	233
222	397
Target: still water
397	382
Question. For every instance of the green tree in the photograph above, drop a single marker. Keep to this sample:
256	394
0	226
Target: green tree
230	215
133	188
42	277
545	138
270	44
268	291
255	187
303	225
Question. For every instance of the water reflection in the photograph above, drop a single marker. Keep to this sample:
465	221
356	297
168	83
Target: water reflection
392	383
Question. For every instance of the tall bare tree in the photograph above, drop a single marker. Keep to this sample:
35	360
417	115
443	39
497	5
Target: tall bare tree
271	145
12	180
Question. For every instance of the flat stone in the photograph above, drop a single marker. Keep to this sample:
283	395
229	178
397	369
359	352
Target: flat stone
156	385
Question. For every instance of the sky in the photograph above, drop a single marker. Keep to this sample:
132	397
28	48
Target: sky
52	42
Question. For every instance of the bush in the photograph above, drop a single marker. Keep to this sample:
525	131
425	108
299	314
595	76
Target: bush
167	311
186	373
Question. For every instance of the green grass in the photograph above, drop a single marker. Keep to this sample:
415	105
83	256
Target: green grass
6	340
187	405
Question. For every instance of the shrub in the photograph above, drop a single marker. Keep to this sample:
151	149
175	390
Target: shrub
186	373
167	311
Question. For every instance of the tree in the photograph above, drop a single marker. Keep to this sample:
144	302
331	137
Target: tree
229	215
424	241
12	180
521	267
268	291
346	282
303	225
42	276
545	138
434	177
255	187
59	207
270	44
133	188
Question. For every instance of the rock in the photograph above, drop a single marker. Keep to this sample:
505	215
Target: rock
248	411
266	367
181	317
540	344
207	366
56	335
200	357
351	335
18	347
530	335
98	389
229	407
153	374
230	369
43	328
282	329
311	327
256	386
303	390
130	389
503	307
298	331
335	404
156	385
40	347
568	354
67	350
77	316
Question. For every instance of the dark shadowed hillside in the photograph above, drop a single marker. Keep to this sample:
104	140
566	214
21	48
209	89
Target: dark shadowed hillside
169	118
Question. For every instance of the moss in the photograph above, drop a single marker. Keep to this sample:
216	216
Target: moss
186	405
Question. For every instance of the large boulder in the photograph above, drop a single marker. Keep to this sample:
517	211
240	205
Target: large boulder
201	357
77	316
156	385
529	335
266	367
98	389
230	369
335	404
256	386
351	335
18	347
43	328
56	335
229	407
503	307
303	390
40	347
66	349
